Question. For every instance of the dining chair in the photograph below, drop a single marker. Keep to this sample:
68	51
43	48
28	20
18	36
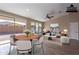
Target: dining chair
12	42
23	47
38	42
64	40
45	37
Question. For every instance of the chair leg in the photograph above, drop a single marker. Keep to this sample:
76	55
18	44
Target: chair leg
42	48
33	50
17	52
30	51
9	50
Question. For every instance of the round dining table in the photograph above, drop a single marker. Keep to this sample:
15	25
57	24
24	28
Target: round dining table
25	37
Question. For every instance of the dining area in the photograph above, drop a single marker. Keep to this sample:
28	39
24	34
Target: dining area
17	38
20	44
26	44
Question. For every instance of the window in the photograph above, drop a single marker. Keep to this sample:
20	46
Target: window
40	27
33	27
36	27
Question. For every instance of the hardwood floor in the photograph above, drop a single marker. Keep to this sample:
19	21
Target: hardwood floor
53	48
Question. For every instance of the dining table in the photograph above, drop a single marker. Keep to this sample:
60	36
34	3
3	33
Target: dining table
25	37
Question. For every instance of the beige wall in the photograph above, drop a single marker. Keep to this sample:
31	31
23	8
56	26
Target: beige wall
63	21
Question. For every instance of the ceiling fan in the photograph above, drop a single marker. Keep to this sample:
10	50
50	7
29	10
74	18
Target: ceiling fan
49	16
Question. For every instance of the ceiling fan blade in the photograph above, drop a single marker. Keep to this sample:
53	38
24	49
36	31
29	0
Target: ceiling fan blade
47	16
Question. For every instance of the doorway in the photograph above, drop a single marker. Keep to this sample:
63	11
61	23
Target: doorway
73	30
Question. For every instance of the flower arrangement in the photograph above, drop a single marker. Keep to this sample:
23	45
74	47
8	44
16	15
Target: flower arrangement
27	32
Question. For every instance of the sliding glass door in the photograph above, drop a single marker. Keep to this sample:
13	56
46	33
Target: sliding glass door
36	27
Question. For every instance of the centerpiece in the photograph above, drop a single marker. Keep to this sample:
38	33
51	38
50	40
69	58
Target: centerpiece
27	32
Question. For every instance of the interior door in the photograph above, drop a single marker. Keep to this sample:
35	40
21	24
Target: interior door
73	30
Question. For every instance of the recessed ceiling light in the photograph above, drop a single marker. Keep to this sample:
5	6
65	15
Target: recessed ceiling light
27	9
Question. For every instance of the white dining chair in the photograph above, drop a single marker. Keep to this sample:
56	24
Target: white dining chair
45	37
38	42
4	46
23	47
12	42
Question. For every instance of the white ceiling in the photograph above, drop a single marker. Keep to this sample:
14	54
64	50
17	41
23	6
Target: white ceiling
37	11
